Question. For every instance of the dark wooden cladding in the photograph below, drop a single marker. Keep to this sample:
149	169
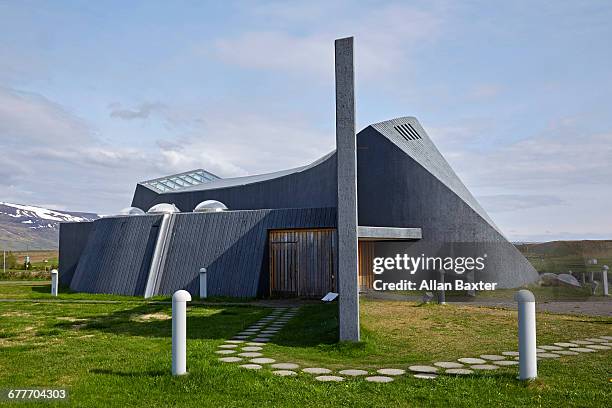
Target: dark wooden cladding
302	262
366	258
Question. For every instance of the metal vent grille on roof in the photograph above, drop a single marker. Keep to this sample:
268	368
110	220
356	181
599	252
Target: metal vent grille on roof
180	181
407	131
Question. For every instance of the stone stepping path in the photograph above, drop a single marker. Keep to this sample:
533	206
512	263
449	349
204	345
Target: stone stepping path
251	366
459	371
284	373
548	355
423	369
485	367
285	366
316	370
391	371
352	372
425	376
250	354
329	378
506	362
251	341
263	360
230	359
470	360
379	379
492	357
582	349
565	344
448	364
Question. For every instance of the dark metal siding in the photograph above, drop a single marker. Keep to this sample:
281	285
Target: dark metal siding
395	190
73	238
117	256
315	187
232	246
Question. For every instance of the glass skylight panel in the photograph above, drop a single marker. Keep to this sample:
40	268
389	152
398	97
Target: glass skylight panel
180	181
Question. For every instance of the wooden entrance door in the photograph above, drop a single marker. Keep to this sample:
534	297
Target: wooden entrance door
366	258
302	262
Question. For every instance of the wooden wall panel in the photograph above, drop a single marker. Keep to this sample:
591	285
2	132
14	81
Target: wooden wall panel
302	262
366	257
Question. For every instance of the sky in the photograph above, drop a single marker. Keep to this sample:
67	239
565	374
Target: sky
96	96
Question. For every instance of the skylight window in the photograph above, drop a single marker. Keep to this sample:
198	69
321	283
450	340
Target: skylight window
179	181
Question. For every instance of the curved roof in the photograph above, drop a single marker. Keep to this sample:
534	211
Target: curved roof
241	181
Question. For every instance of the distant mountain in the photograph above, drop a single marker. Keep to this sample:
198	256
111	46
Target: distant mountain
29	227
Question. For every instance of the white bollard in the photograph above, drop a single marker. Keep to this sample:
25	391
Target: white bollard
179	332
203	287
528	363
54	282
604	279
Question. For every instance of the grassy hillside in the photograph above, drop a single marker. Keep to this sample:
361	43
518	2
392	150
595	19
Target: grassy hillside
562	256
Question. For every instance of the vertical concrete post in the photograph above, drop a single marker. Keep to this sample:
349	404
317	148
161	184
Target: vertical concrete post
179	331
441	292
604	279
203	287
528	362
346	156
54	282
582	279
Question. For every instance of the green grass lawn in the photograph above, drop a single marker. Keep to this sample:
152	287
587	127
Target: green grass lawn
118	354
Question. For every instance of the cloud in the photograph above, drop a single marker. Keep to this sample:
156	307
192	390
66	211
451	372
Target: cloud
513	202
57	157
142	111
382	37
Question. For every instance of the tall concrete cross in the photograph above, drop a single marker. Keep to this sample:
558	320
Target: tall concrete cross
346	155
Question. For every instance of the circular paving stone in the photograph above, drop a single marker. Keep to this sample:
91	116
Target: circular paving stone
245	334
328	378
234	341
284	373
599	347
582	342
423	369
539	350
379	379
506	362
566	352
562	344
582	349
225	351
471	360
596	340
485	367
285	366
250	354
448	364
459	371
608	338
251	366
548	355
425	376
551	347
230	359
240	337
228	346
252	348
252	343
492	357
353	373
262	339
392	371
316	370
510	353
263	360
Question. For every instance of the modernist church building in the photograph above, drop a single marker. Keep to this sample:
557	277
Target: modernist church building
302	232
275	234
